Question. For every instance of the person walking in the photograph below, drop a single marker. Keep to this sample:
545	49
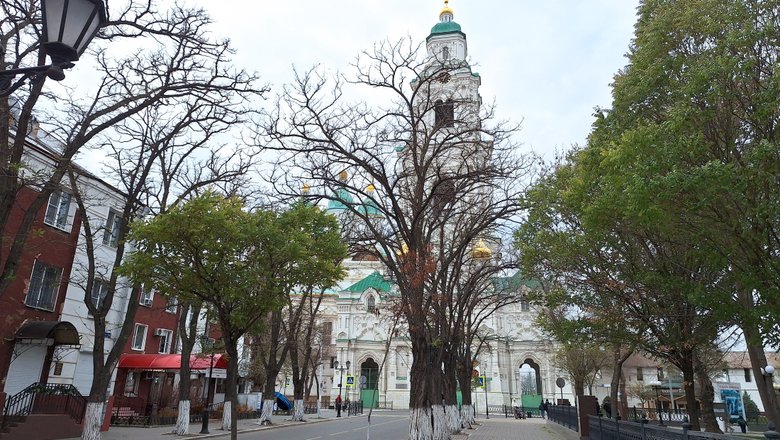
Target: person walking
541	409
338	406
742	424
547	407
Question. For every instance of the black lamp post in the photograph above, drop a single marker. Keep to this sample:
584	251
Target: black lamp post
341	380
68	28
206	344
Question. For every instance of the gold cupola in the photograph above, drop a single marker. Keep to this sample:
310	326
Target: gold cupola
481	251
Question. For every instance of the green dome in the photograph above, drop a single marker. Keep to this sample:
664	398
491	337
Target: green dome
445	27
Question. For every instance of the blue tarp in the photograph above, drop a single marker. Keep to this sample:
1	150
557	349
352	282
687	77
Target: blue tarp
282	402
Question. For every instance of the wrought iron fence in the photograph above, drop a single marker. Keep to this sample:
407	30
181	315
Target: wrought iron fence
565	415
609	429
41	398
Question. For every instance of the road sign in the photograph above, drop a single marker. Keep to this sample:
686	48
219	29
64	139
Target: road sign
350	381
482	381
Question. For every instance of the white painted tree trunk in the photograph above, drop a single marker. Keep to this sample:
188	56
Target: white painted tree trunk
440	426
183	419
420	427
298	411
467	416
226	416
453	418
92	421
268	410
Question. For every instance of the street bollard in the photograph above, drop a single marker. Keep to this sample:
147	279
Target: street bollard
771	433
205	416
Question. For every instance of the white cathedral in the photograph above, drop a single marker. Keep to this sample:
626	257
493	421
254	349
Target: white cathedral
516	364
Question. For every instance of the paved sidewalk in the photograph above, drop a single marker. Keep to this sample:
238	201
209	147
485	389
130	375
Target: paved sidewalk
513	429
166	432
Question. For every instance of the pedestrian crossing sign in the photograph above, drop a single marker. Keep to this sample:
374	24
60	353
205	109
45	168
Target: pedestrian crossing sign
482	381
350	381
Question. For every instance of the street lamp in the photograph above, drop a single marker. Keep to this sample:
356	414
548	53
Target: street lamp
656	384
68	28
341	380
207	344
768	371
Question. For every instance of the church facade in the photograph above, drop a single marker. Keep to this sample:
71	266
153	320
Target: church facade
365	357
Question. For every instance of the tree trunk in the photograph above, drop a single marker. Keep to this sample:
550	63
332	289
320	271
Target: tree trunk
267	412
422	378
706	398
187	336
579	387
440	425
298	411
619	357
92	421
183	418
420	426
690	395
453	418
229	419
757	361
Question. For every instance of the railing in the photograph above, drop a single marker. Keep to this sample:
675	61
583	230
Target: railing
609	429
126	406
675	417
353	408
40	398
565	415
384	405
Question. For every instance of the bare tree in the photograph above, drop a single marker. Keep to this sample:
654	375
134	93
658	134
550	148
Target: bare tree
421	178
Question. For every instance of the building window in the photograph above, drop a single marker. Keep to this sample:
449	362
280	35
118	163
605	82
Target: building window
445	53
147	296
333	362
748	377
131	384
165	340
99	292
444	113
170	306
371	304
524	304
639	374
57	211
139	337
660	373
111	233
327	333
57	369
44	282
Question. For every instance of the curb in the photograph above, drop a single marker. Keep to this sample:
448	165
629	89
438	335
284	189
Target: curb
259	428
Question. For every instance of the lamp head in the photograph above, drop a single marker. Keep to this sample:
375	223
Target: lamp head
769	370
348	363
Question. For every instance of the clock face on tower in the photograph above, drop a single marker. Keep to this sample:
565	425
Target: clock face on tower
443	77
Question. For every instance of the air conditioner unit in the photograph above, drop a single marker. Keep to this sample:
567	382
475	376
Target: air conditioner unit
159	332
147	302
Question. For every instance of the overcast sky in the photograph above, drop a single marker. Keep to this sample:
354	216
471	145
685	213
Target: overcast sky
546	63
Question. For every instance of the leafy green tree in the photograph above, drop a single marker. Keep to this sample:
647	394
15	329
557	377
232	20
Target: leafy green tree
751	409
239	264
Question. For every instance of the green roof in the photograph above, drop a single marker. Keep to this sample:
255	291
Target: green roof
515	282
445	27
342	198
374	281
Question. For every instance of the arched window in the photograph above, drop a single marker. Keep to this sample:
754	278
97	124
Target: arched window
445	53
371	304
444	113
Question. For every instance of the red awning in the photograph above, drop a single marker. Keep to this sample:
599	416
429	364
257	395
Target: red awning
169	361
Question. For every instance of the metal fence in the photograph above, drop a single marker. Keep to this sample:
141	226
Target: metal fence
565	415
609	429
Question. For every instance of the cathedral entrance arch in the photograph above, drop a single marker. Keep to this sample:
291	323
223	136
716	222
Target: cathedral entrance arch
530	385
369	383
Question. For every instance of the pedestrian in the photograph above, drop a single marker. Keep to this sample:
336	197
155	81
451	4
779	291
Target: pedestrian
598	407
541	409
547	407
338	406
742	424
607	408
